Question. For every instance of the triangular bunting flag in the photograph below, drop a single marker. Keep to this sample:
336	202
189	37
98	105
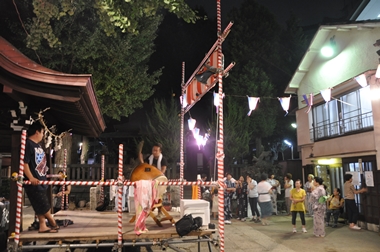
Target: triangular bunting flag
252	103
326	94
306	100
310	102
285	102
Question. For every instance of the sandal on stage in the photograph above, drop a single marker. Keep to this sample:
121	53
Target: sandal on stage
48	231
56	227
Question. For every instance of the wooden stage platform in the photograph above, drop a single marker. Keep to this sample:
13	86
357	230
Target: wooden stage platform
94	227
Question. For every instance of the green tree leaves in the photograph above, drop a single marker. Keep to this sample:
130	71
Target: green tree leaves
164	126
120	14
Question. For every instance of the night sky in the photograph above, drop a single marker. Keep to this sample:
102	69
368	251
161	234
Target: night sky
310	11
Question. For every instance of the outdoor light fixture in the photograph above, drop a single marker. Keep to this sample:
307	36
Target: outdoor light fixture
287	143
290	145
191	122
329	50
294	125
362	80
202	140
329	161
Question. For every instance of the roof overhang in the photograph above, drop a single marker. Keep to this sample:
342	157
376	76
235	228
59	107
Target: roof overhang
318	41
70	97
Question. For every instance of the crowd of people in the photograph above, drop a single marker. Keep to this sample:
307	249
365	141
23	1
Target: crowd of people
260	196
310	200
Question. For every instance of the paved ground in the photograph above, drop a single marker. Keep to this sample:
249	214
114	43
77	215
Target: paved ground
277	237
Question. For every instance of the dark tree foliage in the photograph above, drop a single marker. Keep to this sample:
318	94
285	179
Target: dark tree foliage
266	55
164	126
119	64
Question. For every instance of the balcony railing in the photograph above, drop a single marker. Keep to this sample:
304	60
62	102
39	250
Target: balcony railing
342	127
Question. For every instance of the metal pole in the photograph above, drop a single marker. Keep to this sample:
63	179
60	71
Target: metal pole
181	162
292	151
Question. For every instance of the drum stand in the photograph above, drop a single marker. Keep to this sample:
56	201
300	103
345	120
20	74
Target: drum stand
158	218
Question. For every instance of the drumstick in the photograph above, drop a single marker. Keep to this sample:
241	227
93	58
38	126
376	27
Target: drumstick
139	151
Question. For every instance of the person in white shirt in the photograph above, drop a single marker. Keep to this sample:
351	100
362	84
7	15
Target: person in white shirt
309	186
253	196
288	187
264	190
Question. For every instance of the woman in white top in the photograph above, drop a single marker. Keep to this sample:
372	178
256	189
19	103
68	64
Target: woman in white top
309	186
264	190
289	185
253	198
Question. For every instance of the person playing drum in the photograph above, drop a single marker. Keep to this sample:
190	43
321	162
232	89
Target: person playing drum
156	159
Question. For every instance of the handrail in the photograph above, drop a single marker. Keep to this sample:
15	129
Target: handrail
342	126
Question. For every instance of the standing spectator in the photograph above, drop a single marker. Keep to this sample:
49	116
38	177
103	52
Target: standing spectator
349	198
58	193
241	193
288	187
253	198
228	192
334	205
319	207
276	189
297	196
205	192
215	205
264	190
203	188
309	185
35	171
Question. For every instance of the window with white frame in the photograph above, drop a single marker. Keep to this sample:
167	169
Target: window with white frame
347	113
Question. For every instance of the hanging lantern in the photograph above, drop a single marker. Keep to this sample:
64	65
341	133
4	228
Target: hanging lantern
191	122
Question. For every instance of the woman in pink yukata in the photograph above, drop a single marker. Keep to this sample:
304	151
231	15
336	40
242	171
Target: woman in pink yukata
319	207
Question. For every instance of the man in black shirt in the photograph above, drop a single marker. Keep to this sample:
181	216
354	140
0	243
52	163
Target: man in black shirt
35	171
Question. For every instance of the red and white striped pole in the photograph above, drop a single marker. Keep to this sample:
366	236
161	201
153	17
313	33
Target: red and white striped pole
102	188
19	188
125	183
220	150
120	201
199	187
64	186
181	162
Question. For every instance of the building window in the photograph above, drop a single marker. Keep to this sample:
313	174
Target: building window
345	114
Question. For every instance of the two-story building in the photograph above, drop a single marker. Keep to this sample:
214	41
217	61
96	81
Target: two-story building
343	134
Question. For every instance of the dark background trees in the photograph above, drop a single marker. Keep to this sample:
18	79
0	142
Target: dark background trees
133	63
